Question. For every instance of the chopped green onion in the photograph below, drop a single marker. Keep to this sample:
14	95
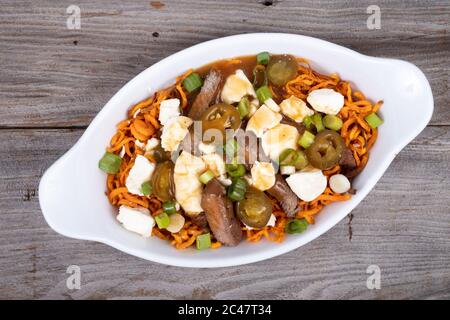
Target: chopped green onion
263	94
110	163
169	207
146	188
373	120
162	220
307	121
262	58
231	148
243	107
205	177
296	226
317	121
332	122
192	82
302	161
288	157
235	170
237	190
306	140
203	241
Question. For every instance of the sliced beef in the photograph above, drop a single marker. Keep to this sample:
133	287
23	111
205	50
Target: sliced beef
199	219
284	195
300	126
220	214
347	159
207	94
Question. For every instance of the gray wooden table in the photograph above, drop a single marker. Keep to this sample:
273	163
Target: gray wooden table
53	80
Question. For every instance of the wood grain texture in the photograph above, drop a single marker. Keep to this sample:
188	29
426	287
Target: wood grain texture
402	226
49	80
54	80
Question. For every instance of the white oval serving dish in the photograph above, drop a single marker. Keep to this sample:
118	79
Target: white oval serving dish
85	213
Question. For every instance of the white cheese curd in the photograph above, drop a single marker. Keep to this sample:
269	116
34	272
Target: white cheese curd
287	170
169	109
149	146
206	148
141	172
122	152
295	108
176	223
270	223
307	184
188	189
236	87
225	181
136	220
339	183
263	120
278	139
263	175
174	132
254	105
139	144
272	105
215	163
326	100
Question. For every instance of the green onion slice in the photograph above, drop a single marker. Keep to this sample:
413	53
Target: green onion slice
263	94
243	107
296	226
146	188
110	163
162	220
373	120
169	207
235	170
306	140
192	82
237	190
231	148
263	58
317	121
307	121
203	241
288	157
206	177
332	122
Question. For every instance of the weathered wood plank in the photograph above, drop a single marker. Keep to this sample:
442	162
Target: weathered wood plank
52	76
403	226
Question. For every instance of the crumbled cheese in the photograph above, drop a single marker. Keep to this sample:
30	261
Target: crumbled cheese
278	139
263	119
307	184
136	220
215	163
263	175
295	108
169	109
188	188
326	100
206	148
141	172
174	132
272	105
236	87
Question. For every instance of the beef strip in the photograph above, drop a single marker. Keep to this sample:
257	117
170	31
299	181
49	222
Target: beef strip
199	219
207	94
348	164
284	195
220	214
